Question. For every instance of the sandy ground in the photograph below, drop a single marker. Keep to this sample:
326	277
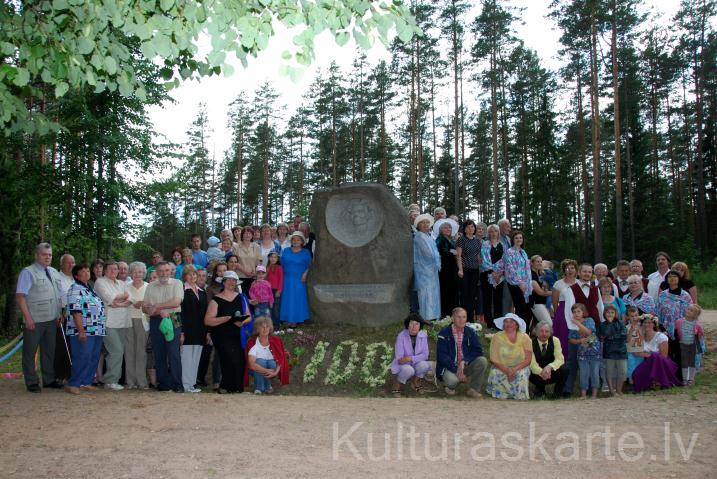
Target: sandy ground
165	435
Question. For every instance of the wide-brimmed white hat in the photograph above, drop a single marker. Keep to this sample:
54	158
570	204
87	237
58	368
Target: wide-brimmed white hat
230	275
441	222
300	235
423	217
499	321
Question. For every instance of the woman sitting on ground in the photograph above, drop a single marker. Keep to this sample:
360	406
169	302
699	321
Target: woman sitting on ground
266	357
657	368
411	356
511	352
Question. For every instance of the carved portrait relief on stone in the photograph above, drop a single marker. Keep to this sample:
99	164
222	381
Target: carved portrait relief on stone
354	219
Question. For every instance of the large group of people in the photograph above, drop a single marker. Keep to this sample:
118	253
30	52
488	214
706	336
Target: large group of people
120	325
133	326
589	323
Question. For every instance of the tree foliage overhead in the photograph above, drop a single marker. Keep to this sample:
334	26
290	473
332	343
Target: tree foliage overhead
49	47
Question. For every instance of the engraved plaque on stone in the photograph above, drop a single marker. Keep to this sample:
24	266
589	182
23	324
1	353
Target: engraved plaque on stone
354	219
380	293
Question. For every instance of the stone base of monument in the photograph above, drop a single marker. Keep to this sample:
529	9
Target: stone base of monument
363	263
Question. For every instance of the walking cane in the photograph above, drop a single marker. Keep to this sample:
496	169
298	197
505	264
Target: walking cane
64	340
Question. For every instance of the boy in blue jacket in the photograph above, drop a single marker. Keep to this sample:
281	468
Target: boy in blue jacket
464	364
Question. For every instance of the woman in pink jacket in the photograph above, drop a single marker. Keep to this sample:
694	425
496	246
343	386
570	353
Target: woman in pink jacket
411	357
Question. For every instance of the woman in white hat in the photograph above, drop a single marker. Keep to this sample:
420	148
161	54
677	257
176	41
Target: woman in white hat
426	265
294	300
226	313
510	352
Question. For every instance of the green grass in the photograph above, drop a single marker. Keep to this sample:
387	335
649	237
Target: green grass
708	298
706	281
12	364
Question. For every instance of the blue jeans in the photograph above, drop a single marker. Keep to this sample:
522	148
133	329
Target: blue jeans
166	353
260	382
589	373
262	309
572	362
85	356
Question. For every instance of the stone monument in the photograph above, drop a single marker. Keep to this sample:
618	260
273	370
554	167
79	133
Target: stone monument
363	263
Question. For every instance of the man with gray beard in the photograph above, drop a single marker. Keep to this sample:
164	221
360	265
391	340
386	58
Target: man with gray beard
163	299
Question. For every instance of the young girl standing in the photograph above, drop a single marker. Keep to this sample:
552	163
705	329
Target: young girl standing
689	332
589	350
614	333
635	340
275	277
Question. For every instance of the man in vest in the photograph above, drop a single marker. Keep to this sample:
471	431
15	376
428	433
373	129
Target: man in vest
623	272
39	296
548	364
583	291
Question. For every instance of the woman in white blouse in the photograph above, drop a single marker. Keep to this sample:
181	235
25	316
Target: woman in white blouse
135	355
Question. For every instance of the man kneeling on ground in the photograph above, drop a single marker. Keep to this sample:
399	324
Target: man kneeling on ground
548	364
462	363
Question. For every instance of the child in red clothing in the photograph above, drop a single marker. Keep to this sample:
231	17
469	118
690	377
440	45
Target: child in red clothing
275	276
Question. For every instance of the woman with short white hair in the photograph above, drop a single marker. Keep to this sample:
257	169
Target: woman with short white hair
135	355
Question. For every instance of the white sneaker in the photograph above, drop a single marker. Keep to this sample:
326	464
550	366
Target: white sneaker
257	392
193	390
114	386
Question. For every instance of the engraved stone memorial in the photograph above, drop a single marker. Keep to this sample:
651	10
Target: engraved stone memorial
363	262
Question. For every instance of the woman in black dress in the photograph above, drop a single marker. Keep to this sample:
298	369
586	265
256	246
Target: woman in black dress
227	312
448	275
468	249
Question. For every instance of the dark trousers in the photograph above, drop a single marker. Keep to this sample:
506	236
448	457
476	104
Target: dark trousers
167	360
673	352
62	354
231	357
572	363
470	293
85	356
492	300
204	366
521	305
558	377
43	336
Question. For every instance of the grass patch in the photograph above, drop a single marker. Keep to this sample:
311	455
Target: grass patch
14	363
706	281
708	298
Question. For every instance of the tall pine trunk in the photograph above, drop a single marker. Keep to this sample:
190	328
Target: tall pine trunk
595	103
617	133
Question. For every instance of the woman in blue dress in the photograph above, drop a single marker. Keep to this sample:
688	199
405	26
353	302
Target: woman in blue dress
426	265
295	261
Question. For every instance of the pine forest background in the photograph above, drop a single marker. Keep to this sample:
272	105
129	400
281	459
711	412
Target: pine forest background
611	156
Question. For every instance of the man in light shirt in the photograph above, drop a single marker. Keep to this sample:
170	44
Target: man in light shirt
67	262
38	295
663	263
162	299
